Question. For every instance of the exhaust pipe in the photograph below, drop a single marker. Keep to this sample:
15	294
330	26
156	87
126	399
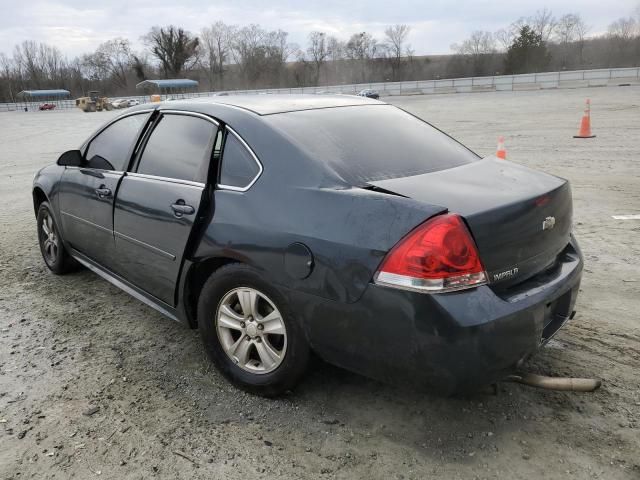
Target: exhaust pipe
556	383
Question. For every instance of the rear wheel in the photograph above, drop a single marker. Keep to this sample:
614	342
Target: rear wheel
53	252
250	333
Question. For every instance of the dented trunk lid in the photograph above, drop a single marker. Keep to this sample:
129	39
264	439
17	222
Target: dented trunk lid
520	218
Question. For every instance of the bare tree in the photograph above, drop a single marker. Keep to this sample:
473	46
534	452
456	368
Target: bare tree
261	54
302	68
621	34
395	37
111	61
246	51
476	52
280	48
622	29
506	36
479	43
74	79
318	52
566	33
362	47
277	51
39	64
543	23
53	63
336	49
7	77
216	43
26	58
566	28
582	30
176	49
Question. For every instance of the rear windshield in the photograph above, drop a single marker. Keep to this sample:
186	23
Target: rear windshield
373	142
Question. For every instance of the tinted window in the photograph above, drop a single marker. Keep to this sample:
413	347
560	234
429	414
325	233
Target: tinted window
239	168
179	147
375	142
110	149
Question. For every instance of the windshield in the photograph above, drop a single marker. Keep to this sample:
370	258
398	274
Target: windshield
372	142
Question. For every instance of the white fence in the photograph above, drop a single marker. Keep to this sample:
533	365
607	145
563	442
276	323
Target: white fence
528	81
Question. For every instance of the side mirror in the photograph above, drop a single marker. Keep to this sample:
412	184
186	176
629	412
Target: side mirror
72	158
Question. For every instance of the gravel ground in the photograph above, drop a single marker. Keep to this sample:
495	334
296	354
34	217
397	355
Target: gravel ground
94	384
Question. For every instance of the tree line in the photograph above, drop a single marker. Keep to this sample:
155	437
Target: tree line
544	42
227	57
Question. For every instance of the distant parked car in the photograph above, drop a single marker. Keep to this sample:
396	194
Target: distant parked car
133	102
120	103
369	94
47	106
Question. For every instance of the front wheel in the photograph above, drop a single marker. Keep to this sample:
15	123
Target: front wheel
250	333
53	252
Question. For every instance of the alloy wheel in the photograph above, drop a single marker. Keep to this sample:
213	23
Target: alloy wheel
49	238
251	330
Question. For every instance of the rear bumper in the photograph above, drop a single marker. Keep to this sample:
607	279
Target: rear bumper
449	342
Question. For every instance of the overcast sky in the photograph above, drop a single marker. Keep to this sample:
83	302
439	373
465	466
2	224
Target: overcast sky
78	26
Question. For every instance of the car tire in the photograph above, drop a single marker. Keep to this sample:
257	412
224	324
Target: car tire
238	344
54	254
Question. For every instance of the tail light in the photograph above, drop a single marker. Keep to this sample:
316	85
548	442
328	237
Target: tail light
438	256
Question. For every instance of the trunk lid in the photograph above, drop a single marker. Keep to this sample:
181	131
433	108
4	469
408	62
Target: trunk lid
520	218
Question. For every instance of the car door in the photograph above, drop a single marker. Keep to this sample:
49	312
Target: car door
158	202
87	192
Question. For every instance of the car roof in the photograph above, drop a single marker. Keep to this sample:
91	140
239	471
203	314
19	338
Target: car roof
281	103
252	117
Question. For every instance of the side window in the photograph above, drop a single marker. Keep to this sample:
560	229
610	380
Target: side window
111	148
179	147
239	167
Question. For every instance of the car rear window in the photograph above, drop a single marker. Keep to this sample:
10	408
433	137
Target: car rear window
372	142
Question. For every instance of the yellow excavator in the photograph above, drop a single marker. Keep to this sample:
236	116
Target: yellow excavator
93	103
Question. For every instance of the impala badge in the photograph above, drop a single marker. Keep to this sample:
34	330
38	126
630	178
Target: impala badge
549	223
506	274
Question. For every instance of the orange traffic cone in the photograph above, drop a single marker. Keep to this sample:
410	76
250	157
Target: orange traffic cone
501	151
585	124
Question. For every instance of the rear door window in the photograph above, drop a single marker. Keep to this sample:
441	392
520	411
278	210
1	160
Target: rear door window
180	147
239	166
112	148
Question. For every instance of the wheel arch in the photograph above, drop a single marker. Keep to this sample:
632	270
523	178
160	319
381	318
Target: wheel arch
38	197
196	277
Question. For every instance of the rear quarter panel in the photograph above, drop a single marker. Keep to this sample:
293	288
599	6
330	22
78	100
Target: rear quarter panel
347	230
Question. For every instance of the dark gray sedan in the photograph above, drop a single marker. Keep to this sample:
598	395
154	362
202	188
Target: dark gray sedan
369	94
281	225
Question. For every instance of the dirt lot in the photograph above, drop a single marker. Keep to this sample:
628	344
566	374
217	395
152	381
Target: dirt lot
93	384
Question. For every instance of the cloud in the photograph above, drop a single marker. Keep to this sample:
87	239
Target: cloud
77	26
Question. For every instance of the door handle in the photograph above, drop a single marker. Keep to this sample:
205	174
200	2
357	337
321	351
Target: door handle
179	209
103	192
